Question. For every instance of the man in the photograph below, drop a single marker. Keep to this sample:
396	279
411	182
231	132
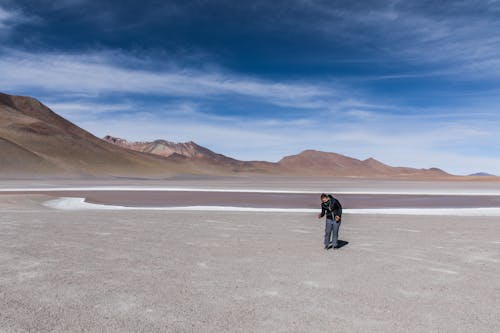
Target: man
333	210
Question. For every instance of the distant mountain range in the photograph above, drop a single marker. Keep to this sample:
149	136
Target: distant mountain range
307	163
481	174
36	141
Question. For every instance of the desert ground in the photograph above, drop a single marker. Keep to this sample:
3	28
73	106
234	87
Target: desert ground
221	271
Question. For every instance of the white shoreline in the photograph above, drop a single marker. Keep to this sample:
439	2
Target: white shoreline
73	204
224	190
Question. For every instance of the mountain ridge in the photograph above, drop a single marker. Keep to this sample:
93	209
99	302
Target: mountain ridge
307	162
36	140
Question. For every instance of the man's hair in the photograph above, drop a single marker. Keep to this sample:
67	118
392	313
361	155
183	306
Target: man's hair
324	195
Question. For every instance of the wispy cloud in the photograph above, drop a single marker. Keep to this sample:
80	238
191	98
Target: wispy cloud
456	36
88	108
10	18
97	74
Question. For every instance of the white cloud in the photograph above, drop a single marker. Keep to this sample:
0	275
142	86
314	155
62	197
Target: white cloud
6	17
96	74
86	108
457	37
361	114
9	18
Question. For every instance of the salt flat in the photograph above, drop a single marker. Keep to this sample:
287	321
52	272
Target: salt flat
270	184
73	204
200	271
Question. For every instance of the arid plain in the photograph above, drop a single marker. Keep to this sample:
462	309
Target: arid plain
84	269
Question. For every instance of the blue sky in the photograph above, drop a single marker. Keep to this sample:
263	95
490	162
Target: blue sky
411	83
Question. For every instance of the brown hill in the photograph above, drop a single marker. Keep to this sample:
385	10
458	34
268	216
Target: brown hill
35	140
313	162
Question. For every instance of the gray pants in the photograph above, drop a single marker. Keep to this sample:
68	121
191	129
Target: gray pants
332	229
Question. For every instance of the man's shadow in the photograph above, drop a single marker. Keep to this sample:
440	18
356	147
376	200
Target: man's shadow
341	243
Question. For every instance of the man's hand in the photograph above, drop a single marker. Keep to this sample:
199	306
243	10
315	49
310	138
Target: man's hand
337	218
319	215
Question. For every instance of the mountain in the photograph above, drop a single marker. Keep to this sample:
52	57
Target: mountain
307	163
167	149
313	162
34	140
195	153
481	174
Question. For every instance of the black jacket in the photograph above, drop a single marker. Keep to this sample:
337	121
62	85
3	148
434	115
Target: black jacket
331	206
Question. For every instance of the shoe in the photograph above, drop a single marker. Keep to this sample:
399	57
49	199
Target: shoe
328	247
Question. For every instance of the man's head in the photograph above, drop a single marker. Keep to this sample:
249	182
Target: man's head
325	197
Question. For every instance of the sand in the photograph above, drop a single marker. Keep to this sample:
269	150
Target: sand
160	271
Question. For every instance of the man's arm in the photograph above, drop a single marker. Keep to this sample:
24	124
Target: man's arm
337	208
323	211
